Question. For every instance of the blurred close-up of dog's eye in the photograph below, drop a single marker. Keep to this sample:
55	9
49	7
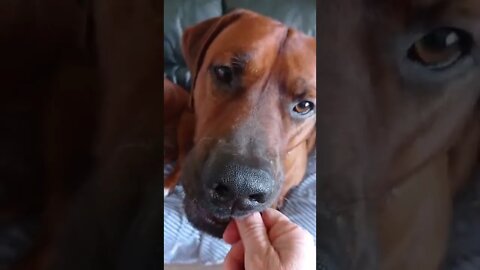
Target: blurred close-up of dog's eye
223	74
441	48
303	107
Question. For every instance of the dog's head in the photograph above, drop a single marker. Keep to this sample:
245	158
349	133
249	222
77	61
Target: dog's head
253	96
399	86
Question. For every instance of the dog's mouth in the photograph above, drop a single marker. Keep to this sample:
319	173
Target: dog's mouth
212	201
198	215
210	221
204	220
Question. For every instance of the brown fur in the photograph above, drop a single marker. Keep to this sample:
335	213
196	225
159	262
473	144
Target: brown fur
395	144
218	115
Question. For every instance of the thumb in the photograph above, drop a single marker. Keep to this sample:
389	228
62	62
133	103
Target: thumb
253	234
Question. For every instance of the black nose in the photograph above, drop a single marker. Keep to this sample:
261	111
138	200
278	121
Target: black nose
239	187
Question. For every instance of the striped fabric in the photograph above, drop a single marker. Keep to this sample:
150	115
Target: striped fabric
184	244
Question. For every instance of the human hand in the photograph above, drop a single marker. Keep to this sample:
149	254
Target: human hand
268	241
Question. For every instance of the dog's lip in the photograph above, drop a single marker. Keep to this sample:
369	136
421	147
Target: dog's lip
207	216
212	219
219	219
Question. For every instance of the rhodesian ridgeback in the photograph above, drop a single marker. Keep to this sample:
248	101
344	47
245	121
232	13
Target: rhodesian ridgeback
398	117
397	111
252	109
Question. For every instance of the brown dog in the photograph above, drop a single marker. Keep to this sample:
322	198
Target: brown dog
176	100
399	86
397	110
253	110
103	129
179	126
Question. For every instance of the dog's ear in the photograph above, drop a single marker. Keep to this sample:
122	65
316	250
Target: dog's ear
197	39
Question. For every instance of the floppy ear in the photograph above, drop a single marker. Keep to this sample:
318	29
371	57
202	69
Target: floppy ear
194	39
197	39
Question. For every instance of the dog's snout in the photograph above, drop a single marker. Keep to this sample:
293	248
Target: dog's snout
239	187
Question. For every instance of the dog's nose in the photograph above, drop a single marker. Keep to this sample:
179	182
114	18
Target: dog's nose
239	187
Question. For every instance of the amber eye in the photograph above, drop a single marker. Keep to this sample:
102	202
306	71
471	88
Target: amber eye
441	48
223	74
304	107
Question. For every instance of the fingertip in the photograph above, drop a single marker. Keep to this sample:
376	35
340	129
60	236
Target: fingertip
252	218
231	235
272	216
252	232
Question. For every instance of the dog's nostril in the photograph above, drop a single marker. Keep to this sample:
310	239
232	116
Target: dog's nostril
221	192
258	197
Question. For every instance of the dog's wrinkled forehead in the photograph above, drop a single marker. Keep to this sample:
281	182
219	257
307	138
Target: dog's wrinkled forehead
244	36
197	39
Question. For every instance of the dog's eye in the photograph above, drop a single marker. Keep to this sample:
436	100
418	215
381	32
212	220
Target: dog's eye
304	107
441	48
223	74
